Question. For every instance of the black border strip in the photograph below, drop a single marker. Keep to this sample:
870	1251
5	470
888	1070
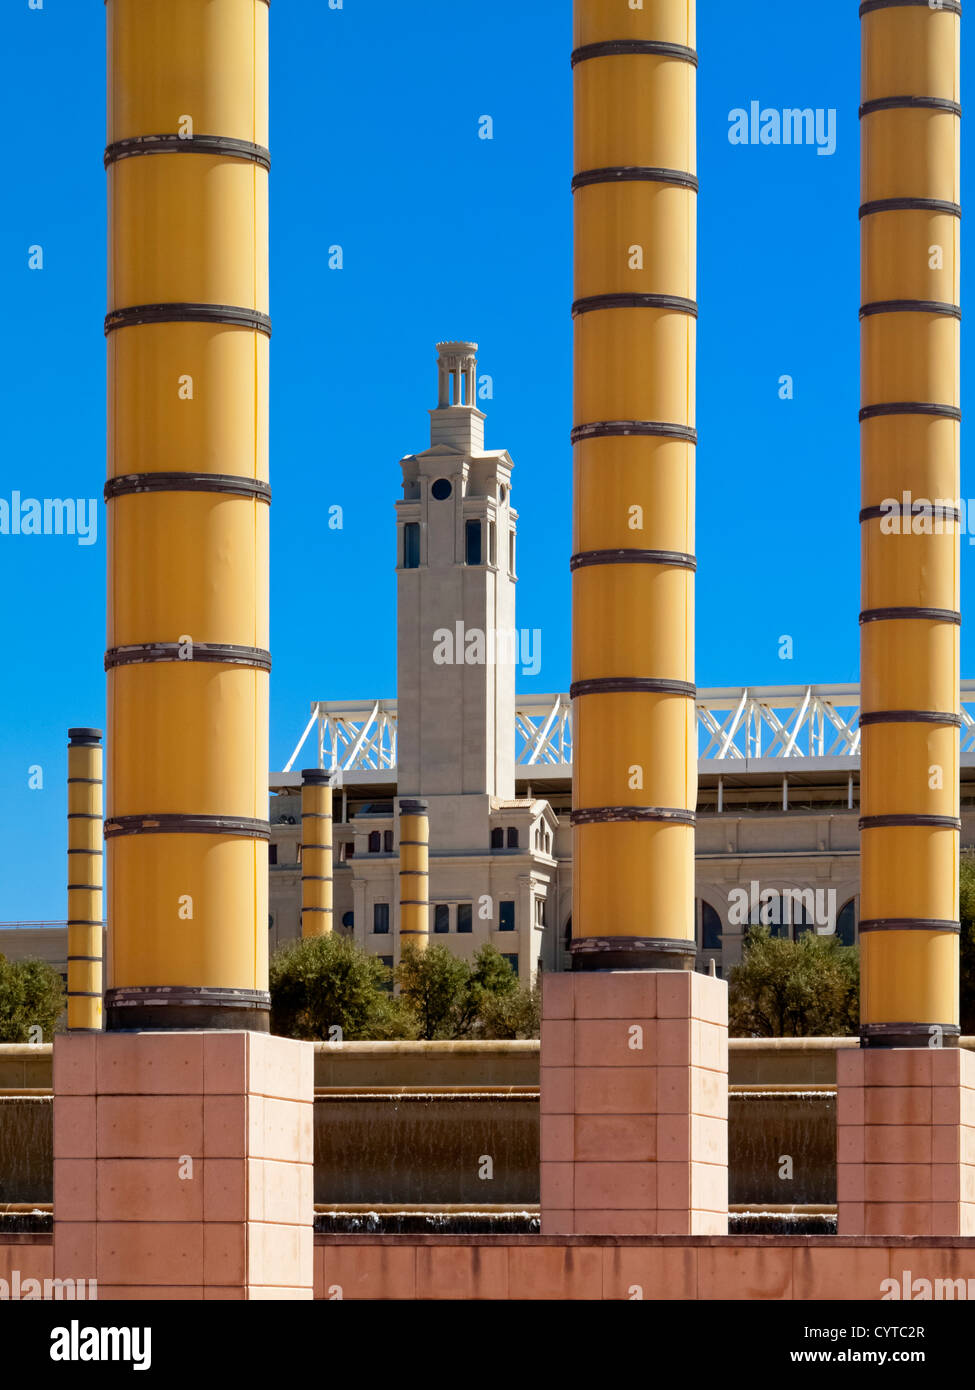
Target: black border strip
612	48
635	173
178	824
909	716
605	815
230	484
675	302
225	145
675	558
908	924
137	315
874	412
625	685
131	996
932	513
146	653
892	615
913	822
910	306
662	429
908	103
909	205
946	6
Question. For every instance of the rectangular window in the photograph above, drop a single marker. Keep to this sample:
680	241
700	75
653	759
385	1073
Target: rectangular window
507	915
492	543
388	962
272	854
511	553
472	532
380	918
465	917
512	961
411	545
441	918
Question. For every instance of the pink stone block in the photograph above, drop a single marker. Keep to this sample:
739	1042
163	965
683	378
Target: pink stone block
896	1182
615	994
709	1187
946	1104
710	1223
225	1253
369	1271
849	1066
224	1189
897	1219
556	1138
557	1043
74	1189
946	1182
616	1223
673	1187
614	1042
74	1127
558	1223
709	1093
280	1193
909	1066
950	1066
225	1131
282	1255
849	1182
674	1138
951	1144
709	999
557	1090
897	1143
214	1293
822	1275
709	1046
615	1186
850	1218
461	1272
280	1129
850	1106
281	1068
558	995
897	1105
673	1042
130	1252
850	1142
149	1064
74	1064
258	1293
225	1063
554	1272
675	1222
615	1090
555	1183
149	1189
149	1126
709	1140
148	1293
674	1090
750	1273
674	993
74	1250
613	1138
651	1274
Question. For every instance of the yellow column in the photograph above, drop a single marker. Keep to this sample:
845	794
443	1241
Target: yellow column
85	919
414	874
316	852
635	757
187	497
909	650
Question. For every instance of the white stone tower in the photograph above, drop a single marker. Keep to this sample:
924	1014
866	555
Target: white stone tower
457	640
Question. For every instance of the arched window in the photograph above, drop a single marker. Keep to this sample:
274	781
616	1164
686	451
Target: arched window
497	838
348	920
388	841
710	927
374	841
846	923
512	837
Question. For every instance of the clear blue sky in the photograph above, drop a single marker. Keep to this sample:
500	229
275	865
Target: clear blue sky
374	120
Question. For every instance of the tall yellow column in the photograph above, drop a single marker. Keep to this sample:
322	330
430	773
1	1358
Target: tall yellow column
414	874
635	760
187	497
316	852
909	649
85	918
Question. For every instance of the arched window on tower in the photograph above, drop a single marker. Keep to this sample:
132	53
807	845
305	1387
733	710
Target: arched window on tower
388	841
846	923
375	842
709	926
497	838
512	837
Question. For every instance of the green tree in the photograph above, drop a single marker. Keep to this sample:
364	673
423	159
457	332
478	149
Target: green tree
794	989
31	996
515	1014
432	985
966	912
325	982
489	980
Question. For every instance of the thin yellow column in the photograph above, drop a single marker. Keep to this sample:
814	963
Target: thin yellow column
414	874
187	497
909	650
316	852
85	918
635	762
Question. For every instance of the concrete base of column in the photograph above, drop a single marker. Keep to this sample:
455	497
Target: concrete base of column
906	1142
634	1104
183	1165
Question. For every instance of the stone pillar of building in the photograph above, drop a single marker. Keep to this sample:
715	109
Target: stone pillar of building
183	1164
634	1103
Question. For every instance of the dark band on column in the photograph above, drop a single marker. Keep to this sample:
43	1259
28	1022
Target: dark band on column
907	1034
674	302
892	615
613	48
188	144
317	777
635	173
910	205
925	512
907	103
632	953
162	1007
909	716
86	922
138	314
177	824
411	806
626	685
675	558
84	738
907	924
601	429
944	6
602	815
228	483
146	653
873	412
895	822
910	306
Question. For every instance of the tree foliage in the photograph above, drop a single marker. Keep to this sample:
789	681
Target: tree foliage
794	989
31	996
323	983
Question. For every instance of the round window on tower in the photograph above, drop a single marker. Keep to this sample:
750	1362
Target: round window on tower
441	489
